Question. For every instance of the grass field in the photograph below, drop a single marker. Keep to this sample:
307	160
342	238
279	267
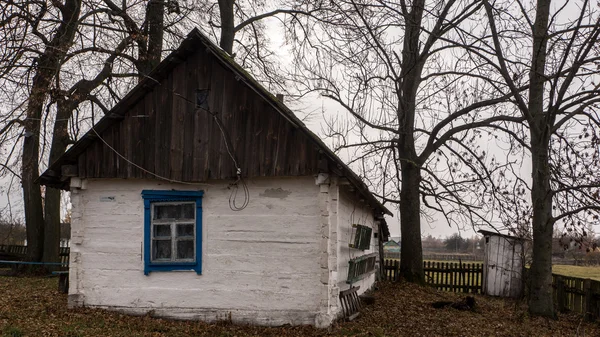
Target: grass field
32	306
591	272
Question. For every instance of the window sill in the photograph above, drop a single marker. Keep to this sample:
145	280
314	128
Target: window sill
166	267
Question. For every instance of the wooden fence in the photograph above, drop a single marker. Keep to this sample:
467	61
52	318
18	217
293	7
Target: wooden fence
577	295
448	276
19	253
453	257
454	276
391	270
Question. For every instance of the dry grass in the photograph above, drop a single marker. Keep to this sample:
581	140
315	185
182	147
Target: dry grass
33	307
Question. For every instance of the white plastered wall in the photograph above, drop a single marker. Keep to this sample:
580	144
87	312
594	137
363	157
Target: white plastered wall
353	210
259	266
339	209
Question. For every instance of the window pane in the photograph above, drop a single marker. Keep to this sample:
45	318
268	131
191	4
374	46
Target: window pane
161	249
185	230
162	230
188	211
185	249
180	211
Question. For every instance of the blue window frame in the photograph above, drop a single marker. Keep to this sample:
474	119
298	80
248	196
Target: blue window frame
172	230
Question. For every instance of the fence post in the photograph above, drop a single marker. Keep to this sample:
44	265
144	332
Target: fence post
587	306
560	293
594	308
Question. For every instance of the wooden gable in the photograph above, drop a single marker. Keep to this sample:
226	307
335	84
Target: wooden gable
165	133
158	131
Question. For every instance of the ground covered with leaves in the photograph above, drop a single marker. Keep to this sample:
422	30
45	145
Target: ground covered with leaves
32	306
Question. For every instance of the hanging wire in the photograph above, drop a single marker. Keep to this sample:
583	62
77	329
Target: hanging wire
234	186
143	169
234	192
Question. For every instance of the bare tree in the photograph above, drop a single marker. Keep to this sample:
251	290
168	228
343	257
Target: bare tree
241	29
46	66
99	48
87	40
418	106
553	50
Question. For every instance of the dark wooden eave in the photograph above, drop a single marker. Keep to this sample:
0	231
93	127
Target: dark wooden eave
60	171
490	233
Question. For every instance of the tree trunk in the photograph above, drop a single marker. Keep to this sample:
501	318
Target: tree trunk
540	125
540	274
48	66
227	25
151	55
32	196
411	250
60	139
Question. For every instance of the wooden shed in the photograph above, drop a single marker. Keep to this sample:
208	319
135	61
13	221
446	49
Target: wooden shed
503	265
199	158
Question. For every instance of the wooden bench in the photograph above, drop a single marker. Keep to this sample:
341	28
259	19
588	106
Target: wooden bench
63	281
350	303
63	275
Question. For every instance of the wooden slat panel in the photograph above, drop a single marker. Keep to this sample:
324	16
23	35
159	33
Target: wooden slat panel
215	102
270	142
81	169
261	116
228	110
247	128
187	173
149	133
178	127
92	159
200	147
283	134
162	128
238	133
137	145
176	141
106	152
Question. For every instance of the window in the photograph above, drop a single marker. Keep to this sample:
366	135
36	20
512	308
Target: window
172	230
361	237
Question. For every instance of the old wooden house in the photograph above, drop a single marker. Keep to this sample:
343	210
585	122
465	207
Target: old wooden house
199	158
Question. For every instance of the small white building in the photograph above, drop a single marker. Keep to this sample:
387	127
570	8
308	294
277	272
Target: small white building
201	196
503	265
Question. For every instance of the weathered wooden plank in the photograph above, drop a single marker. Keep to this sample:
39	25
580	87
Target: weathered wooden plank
262	114
210	123
247	127
137	146
238	134
92	159
227	166
163	127
106	152
68	170
178	127
149	133
217	147
270	142
187	173
121	148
